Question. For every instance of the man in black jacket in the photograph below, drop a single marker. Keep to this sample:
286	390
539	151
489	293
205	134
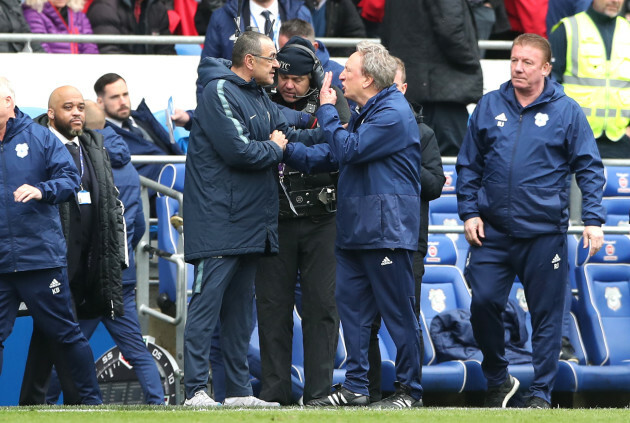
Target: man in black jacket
306	237
93	226
438	42
431	182
12	21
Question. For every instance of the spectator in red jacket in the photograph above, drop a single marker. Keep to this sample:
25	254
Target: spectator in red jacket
528	16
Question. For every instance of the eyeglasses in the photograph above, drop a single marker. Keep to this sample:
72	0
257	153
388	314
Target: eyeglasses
270	59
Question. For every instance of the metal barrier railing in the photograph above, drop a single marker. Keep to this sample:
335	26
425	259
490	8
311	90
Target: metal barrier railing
143	252
183	39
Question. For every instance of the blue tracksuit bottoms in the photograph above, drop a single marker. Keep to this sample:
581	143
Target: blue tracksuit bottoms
223	290
541	265
46	293
126	333
371	282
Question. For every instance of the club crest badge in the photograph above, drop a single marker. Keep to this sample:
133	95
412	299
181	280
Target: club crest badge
438	300
613	298
21	150
522	301
541	119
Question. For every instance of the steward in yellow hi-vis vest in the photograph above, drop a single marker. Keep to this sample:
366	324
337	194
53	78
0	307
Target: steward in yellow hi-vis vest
599	80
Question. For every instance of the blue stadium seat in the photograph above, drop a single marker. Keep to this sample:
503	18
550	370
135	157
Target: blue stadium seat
617	195
443	288
451	180
172	176
600	340
188	49
617	181
33	112
616	210
443	211
604	309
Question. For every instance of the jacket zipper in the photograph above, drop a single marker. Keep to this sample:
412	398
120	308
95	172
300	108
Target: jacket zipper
511	184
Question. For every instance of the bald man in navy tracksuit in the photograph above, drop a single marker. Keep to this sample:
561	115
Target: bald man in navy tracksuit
523	142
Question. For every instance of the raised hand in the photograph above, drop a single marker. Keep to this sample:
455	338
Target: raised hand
327	95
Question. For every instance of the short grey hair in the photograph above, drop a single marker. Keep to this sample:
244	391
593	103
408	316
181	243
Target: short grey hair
377	63
6	89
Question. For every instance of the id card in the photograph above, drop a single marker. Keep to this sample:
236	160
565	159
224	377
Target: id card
83	197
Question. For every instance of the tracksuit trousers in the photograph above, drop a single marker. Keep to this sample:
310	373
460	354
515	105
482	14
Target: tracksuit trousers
371	282
541	265
46	293
126	333
223	289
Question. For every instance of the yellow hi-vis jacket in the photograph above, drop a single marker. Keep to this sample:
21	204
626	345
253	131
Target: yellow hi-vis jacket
600	86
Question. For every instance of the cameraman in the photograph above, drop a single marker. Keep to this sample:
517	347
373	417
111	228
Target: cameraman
306	242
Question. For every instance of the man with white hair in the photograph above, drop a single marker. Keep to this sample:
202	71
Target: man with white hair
378	219
37	174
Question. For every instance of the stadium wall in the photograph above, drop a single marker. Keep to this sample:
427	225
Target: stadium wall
156	78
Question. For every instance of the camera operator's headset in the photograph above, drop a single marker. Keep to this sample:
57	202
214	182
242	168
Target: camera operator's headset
317	73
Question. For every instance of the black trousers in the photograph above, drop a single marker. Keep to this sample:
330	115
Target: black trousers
374	351
449	121
307	246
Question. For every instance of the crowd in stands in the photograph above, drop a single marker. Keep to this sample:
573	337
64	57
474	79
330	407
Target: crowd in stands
437	46
494	19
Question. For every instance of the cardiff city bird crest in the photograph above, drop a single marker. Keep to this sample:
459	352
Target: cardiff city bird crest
21	150
522	301
438	300
541	119
613	298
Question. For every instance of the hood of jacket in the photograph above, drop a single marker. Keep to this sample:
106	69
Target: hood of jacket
551	92
16	124
212	68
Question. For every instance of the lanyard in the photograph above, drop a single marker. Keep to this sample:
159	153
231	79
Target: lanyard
81	170
281	167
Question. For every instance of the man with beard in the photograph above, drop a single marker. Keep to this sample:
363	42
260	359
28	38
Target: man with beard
93	226
141	131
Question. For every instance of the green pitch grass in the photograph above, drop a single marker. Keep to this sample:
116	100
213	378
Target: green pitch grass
133	414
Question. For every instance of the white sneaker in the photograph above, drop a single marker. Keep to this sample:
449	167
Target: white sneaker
201	399
249	402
